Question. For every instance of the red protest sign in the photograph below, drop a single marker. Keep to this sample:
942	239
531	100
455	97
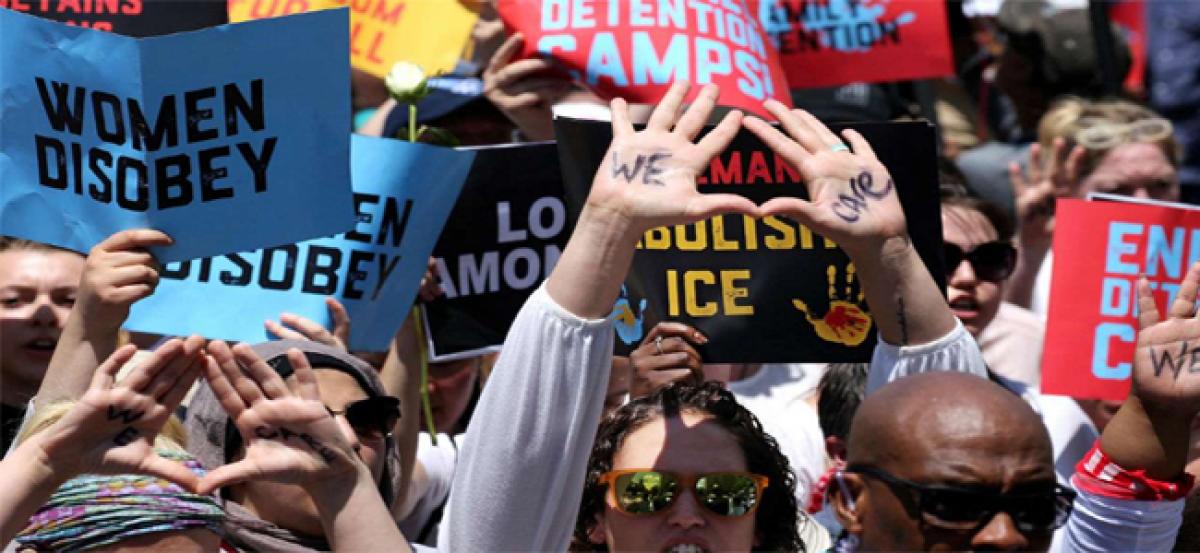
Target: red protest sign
636	48
835	42
1100	251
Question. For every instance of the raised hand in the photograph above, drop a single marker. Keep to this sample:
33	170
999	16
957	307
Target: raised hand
1166	368
289	436
111	429
524	90
302	328
119	272
650	175
852	199
665	356
1049	178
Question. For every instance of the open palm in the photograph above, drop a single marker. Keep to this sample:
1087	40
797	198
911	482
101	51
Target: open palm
650	175
851	195
1166	370
289	436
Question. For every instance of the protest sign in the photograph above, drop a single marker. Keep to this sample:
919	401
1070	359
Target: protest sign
402	195
140	18
636	49
503	238
101	132
763	290
1100	251
429	33
835	42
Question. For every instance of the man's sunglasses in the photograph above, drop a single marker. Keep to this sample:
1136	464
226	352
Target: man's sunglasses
965	509
372	418
645	492
993	261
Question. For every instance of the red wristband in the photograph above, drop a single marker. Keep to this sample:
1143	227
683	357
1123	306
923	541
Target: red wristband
1097	474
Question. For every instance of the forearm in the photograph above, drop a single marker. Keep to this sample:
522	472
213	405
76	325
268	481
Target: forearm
1139	439
588	276
354	516
1024	277
28	484
400	375
79	351
375	125
905	301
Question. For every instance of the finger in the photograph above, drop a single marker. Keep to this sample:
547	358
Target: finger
1015	179
859	144
795	126
620	118
193	344
222	389
265	378
705	206
1185	300
1071	170
166	379
540	86
777	141
667	111
310	328
505	52
697	114
668	376
306	382
823	132
247	390
174	396
167	469
719	138
132	274
515	72
130	257
225	476
141	376
134	238
283	332
675	328
1035	163
341	320
800	210
1147	309
106	374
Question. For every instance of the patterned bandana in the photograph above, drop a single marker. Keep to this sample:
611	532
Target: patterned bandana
93	511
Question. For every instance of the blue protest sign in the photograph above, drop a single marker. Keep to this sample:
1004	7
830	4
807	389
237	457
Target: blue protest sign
403	194
228	139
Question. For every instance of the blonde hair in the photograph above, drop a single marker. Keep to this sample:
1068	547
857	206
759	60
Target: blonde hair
171	437
1072	115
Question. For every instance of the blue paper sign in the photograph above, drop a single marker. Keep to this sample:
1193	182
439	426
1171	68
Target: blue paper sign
229	138
403	194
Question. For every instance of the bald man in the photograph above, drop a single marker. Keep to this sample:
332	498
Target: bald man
930	455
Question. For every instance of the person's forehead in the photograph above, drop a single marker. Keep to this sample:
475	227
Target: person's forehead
39	268
966	227
690	443
1132	162
337	388
967	447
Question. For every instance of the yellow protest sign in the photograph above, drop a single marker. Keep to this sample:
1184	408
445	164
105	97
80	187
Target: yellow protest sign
430	33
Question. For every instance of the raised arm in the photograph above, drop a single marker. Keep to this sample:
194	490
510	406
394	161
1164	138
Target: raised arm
538	415
119	272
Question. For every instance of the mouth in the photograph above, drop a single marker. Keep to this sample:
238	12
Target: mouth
964	307
685	548
40	346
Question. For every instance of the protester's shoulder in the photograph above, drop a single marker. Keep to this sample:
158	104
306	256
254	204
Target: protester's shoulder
1015	318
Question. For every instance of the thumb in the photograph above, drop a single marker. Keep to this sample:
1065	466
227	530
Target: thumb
170	470
705	206
224	476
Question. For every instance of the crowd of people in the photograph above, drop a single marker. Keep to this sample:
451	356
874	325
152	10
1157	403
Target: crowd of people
943	441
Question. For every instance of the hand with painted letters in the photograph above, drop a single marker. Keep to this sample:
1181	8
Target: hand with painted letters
111	429
852	199
1166	368
667	355
289	436
119	272
649	176
303	328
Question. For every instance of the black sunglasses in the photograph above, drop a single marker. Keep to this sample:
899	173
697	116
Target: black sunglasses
371	418
966	509
993	261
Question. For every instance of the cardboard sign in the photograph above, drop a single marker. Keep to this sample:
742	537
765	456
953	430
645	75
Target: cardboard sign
1100	251
763	290
402	195
101	132
504	236
140	18
429	33
636	49
834	42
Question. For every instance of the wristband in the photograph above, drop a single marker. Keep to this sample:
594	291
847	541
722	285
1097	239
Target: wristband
1097	474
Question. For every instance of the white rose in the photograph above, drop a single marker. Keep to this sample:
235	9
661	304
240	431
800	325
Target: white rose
406	82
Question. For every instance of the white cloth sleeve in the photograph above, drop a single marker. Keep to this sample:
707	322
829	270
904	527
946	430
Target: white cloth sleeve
954	352
1105	524
521	471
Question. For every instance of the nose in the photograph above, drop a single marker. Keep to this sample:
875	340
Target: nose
686	512
1000	534
44	313
964	274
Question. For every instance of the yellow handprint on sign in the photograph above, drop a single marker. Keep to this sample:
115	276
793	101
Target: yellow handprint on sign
845	322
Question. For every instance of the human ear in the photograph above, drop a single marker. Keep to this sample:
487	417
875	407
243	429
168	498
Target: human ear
848	498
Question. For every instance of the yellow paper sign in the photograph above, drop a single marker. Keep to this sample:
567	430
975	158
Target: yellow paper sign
430	33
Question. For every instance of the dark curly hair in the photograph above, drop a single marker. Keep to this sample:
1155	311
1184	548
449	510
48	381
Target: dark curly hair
776	520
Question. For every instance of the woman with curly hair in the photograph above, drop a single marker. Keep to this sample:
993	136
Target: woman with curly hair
743	490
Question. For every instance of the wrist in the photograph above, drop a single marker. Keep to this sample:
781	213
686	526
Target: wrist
333	489
882	251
